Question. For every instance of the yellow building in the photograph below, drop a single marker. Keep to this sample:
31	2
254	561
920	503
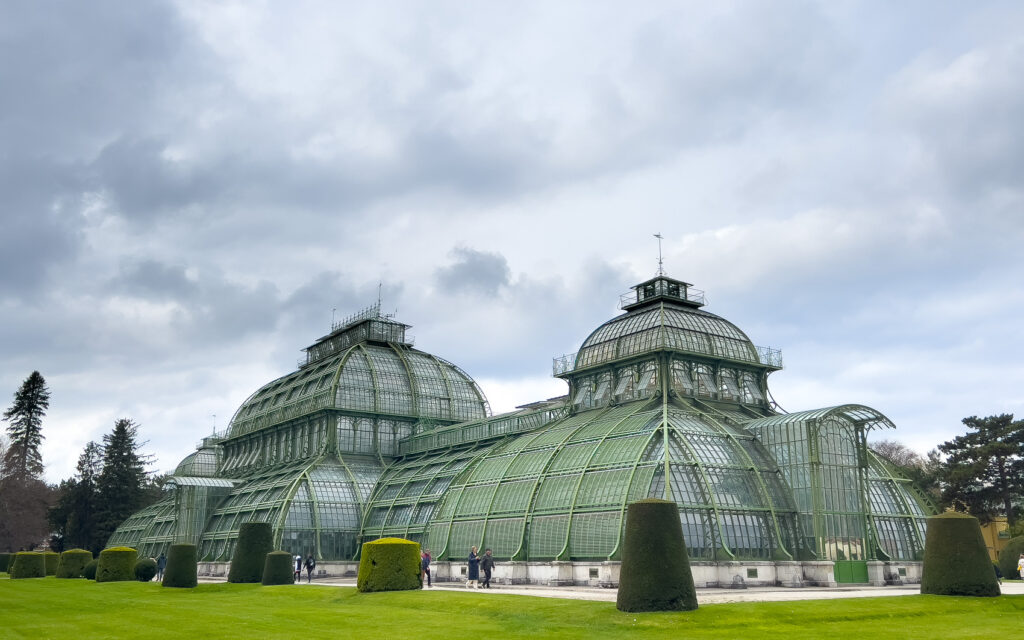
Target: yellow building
996	535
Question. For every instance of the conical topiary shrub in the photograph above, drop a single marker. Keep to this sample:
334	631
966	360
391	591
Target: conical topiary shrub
1009	556
278	568
255	541
956	562
655	573
389	564
72	563
28	564
116	564
51	559
181	570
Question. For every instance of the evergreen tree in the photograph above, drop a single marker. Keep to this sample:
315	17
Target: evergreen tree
25	424
983	472
73	518
120	486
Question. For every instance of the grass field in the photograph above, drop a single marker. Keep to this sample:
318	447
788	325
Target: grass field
51	608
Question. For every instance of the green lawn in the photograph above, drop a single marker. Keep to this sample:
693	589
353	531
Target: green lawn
79	609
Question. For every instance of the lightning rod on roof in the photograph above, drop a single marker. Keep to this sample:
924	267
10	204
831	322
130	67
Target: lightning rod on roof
661	266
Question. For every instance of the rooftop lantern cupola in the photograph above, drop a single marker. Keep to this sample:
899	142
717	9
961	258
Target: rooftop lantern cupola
661	288
369	325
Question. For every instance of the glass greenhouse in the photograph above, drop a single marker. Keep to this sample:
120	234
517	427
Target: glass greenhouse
371	437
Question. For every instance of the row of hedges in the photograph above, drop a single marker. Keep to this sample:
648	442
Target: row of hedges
5	559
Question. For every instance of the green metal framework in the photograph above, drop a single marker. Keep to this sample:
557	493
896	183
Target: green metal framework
372	438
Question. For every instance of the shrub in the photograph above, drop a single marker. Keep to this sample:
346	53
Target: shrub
51	559
278	568
181	566
255	541
956	562
72	563
1007	558
389	564
5	562
28	564
655	573
145	569
89	570
116	564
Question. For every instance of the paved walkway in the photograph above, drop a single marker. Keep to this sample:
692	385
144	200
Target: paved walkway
704	596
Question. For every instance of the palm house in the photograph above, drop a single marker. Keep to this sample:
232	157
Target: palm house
373	438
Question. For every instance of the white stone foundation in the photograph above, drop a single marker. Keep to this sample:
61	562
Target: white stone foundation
729	575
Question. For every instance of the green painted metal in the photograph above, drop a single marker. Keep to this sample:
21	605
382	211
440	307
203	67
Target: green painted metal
389	440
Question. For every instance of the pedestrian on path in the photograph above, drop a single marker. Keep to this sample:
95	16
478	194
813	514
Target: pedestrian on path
425	566
473	579
298	568
161	564
1020	566
310	565
487	564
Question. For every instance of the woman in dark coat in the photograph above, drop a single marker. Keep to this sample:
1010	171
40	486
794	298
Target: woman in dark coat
474	569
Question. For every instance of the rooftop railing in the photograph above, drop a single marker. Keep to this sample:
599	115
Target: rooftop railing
661	288
765	355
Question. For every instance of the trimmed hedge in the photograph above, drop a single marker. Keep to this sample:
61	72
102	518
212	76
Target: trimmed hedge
389	564
1008	557
956	562
278	568
145	569
5	561
181	566
28	564
52	559
89	570
255	541
116	564
655	573
72	563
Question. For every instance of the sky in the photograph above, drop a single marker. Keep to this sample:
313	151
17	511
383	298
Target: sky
190	191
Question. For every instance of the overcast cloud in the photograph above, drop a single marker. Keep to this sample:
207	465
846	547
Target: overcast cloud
189	190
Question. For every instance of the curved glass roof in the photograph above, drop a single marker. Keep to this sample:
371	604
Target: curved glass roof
570	483
665	325
385	379
201	463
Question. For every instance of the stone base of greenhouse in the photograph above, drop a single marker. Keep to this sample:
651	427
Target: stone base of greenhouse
727	575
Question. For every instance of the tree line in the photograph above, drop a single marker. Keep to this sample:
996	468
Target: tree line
110	481
980	472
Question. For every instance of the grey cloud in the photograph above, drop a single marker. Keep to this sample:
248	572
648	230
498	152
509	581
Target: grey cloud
965	114
153	279
474	272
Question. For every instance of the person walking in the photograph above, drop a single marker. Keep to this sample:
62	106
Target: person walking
425	567
310	565
161	564
1020	566
487	564
473	579
298	568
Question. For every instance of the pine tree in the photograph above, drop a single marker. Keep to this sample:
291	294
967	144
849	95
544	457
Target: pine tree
984	469
73	518
25	418
120	486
